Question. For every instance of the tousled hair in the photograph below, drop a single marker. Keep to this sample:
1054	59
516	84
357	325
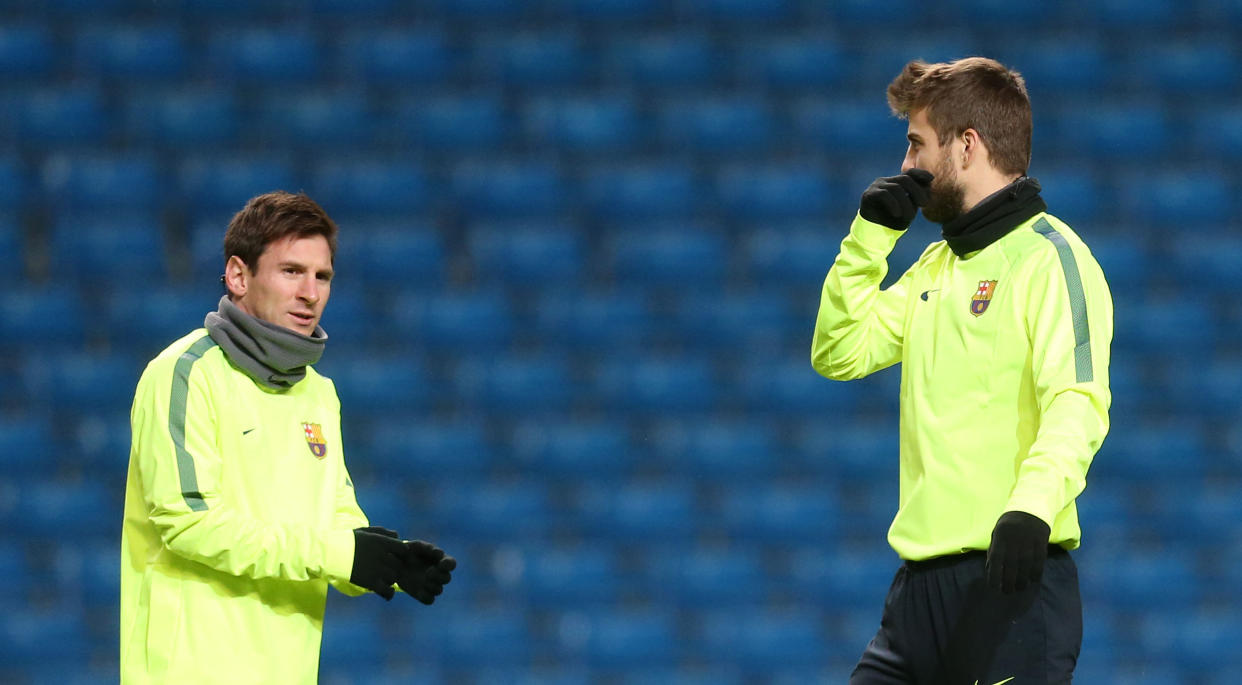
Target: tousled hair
974	92
270	217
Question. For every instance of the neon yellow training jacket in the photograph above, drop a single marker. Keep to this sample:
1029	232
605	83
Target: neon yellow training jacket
1004	377
238	514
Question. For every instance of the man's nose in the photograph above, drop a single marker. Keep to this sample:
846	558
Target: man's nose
309	291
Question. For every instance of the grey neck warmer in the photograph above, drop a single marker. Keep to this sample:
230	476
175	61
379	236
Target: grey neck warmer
272	355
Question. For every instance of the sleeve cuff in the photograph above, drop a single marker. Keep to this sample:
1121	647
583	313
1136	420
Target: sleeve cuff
873	235
338	552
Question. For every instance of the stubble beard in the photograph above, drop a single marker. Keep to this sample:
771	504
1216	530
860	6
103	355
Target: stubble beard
947	197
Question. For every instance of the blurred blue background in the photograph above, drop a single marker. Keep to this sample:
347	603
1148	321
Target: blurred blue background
582	243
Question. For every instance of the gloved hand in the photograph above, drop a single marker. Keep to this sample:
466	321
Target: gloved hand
427	571
893	201
1019	548
379	559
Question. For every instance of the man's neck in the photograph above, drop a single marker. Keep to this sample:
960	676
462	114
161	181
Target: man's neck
985	187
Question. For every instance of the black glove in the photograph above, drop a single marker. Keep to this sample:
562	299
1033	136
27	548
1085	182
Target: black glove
894	200
1019	548
427	570
378	560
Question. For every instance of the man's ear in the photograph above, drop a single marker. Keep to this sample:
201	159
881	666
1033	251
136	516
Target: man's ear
236	277
973	149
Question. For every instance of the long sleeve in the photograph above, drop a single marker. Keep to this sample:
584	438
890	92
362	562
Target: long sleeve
348	517
1069	319
859	328
179	465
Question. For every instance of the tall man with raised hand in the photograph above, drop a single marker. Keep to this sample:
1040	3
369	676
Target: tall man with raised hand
239	511
1002	329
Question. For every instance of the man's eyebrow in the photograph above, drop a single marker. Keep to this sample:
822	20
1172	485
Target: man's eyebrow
914	137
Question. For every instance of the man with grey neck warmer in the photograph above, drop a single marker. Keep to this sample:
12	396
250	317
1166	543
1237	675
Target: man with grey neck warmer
1002	329
239	510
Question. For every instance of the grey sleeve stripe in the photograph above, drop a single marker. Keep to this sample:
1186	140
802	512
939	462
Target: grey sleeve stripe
176	421
1078	301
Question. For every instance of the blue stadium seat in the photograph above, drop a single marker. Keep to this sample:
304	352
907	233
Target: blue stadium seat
656	386
772	513
11	246
99	443
764	639
43	317
315	119
541	59
493	511
1000	12
778	192
806	63
453	320
226	9
860	15
664	60
516	385
264	55
1073	194
1194	195
485	637
1213	513
1144	580
746	11
577	449
70	115
478	11
183	118
566	319
354	639
31	637
1216	130
221	185
16	569
636	511
784	385
858	450
382	253
618	639
1198	641
109	248
375	384
1127	16
716	124
793	254
89	571
1201	387
27	449
27	51
366	10
460	122
717	449
689	256
593	125
1162	451
527	253
615	10
81	507
851	128
570	577
104	182
1173	325
397	56
706	577
1127	264
150	318
131	51
1060	65
685	675
509	189
1113	132
368	186
644	190
83	382
842	578
430	447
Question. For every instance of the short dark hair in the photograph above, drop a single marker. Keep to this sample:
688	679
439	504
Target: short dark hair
975	92
272	216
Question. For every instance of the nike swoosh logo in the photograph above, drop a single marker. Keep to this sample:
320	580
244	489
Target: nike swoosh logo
1000	682
247	431
924	298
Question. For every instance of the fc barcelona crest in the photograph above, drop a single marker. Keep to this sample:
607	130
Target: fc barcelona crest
983	297
314	439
